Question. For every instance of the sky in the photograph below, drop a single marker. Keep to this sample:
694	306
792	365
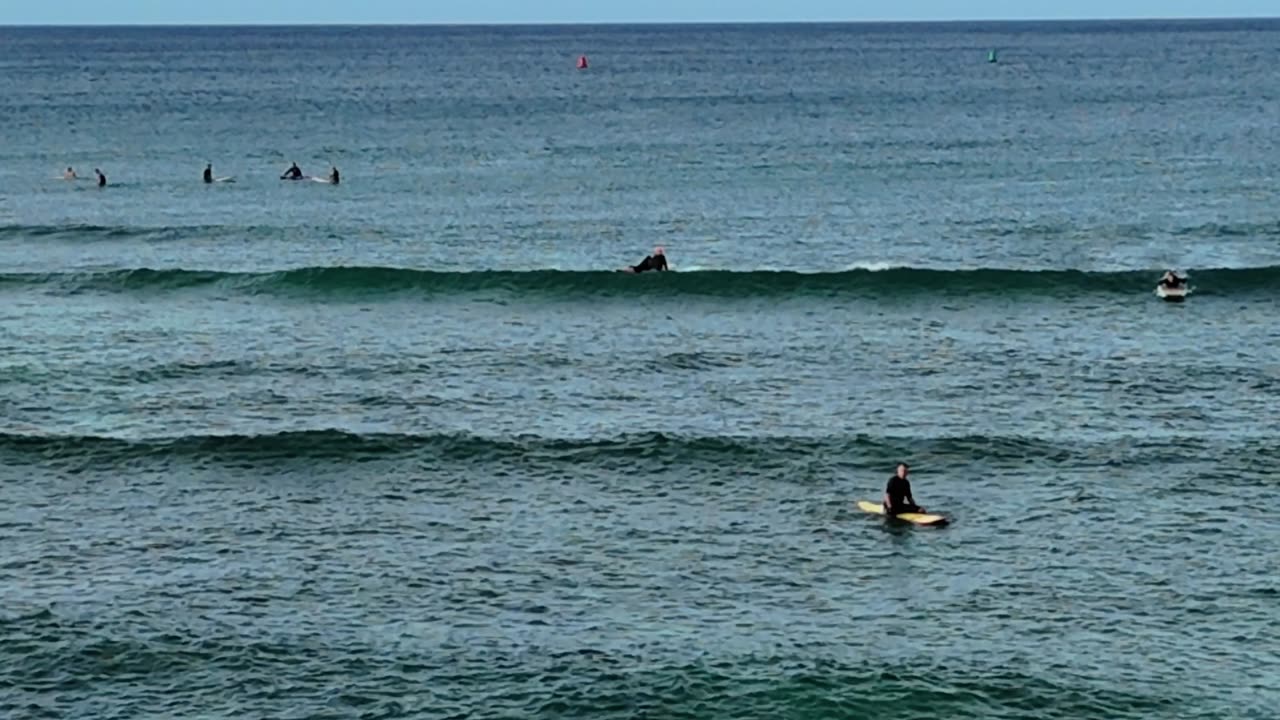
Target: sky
251	12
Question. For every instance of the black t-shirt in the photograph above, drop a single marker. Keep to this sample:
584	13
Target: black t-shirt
898	490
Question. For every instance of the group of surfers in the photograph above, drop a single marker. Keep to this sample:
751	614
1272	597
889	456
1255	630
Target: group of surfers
70	174
293	173
656	262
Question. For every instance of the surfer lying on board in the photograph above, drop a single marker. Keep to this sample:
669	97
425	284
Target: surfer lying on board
897	494
656	261
293	173
1171	280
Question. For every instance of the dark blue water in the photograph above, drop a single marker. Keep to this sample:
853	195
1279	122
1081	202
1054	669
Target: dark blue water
409	447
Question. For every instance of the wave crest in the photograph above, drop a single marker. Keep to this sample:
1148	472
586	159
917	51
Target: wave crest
881	282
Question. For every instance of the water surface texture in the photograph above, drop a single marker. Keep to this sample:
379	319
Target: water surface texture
409	447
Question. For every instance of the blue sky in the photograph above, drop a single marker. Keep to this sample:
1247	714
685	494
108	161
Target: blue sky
94	12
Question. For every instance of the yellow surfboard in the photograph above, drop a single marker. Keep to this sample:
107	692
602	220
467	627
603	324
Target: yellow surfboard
928	519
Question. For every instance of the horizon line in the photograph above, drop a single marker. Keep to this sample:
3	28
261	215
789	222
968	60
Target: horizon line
606	23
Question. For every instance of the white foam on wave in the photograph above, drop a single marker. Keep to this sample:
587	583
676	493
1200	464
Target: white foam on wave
873	266
878	266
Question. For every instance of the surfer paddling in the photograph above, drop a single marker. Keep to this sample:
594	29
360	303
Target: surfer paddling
1171	281
897	494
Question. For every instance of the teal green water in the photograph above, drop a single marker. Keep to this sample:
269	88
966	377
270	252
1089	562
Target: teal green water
409	447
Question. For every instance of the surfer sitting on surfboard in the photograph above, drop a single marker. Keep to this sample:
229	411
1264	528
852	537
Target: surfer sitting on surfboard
293	173
334	177
897	494
656	261
70	174
1171	280
208	173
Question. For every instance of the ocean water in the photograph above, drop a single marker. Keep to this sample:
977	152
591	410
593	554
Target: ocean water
408	447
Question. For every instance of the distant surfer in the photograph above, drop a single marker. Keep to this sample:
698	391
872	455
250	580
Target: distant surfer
293	173
70	174
208	173
334	178
897	494
582	62
1172	281
102	179
657	261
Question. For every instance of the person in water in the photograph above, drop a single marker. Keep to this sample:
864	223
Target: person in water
293	173
208	173
102	179
656	261
1171	280
334	177
897	494
70	174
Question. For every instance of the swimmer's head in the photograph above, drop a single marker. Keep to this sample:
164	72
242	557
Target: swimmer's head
657	250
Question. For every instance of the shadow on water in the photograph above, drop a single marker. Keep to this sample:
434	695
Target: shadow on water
900	531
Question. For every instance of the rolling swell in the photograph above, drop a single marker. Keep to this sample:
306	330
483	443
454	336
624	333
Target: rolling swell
146	662
75	230
338	445
385	683
338	283
654	450
88	233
